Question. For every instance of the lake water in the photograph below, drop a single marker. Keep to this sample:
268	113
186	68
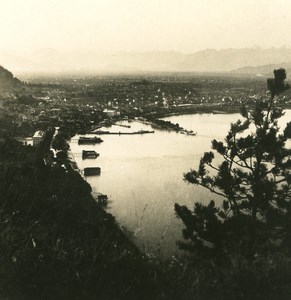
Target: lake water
143	175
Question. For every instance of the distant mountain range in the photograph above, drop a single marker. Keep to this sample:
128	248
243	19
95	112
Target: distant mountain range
265	70
7	79
238	61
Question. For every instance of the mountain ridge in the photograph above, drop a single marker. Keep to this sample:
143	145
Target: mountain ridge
264	70
208	60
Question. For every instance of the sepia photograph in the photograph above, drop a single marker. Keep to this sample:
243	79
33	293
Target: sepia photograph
145	150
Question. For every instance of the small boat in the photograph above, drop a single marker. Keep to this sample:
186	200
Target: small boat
89	140
89	154
144	131
102	199
91	171
191	132
122	125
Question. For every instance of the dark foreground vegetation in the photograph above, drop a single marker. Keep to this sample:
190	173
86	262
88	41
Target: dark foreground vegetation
244	243
56	242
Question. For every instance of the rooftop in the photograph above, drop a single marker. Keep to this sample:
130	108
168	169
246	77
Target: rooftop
38	133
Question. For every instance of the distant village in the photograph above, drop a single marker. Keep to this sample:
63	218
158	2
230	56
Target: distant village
81	104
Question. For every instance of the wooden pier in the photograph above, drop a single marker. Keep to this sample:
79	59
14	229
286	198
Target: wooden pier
100	132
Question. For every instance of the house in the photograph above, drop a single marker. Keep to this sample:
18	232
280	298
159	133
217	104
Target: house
111	113
37	137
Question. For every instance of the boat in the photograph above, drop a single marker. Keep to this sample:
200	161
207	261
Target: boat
191	132
144	131
91	171
102	199
102	132
122	125
91	154
89	140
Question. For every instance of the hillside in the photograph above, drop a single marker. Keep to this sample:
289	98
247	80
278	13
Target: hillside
7	79
262	70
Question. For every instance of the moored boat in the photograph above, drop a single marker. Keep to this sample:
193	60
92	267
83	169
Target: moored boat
91	171
89	140
102	199
89	154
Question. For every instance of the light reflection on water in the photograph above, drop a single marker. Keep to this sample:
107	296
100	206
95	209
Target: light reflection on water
143	175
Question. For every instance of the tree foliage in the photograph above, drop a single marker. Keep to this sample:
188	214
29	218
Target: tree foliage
241	245
254	182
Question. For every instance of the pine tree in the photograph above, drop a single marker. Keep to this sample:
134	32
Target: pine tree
254	182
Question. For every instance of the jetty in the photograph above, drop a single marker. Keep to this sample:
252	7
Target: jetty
100	132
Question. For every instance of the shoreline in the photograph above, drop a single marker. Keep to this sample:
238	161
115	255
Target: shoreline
75	168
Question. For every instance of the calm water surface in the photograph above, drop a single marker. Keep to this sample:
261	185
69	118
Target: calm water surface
143	175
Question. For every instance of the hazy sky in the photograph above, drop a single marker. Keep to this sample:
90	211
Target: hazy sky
141	25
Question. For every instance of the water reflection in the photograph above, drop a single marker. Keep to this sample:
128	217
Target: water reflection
143	175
